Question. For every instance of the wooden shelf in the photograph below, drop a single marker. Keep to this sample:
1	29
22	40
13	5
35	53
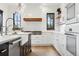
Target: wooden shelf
33	19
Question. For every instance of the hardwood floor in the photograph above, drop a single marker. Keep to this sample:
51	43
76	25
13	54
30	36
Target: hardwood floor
43	51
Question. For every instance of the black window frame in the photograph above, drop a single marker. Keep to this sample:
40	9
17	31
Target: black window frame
51	28
1	26
14	25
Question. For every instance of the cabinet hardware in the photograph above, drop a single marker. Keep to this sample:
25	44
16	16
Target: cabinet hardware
3	50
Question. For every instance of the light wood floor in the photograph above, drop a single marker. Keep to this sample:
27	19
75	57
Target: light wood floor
43	51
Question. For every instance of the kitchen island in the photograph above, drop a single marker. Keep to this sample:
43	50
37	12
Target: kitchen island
25	47
9	44
8	38
16	44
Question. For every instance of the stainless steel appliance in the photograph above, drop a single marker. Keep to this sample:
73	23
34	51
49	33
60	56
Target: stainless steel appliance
71	42
14	47
72	39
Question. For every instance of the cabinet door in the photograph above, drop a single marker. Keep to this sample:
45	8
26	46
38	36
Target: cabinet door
35	39
40	39
77	11
60	43
14	50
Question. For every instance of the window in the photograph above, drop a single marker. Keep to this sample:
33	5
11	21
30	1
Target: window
50	21
16	20
1	20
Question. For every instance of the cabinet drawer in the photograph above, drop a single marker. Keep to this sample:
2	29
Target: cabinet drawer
35	42
35	36
4	46
4	52
4	49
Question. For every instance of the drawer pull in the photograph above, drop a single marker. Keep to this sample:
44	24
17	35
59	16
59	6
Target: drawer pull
3	50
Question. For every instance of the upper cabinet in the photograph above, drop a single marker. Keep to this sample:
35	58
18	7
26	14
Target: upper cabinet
32	19
70	11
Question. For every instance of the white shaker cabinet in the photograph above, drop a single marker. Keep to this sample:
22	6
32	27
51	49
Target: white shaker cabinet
44	39
60	43
40	39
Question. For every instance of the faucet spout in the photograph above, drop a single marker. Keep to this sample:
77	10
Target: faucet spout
6	27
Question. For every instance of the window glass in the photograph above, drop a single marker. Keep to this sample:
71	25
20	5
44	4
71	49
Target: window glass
50	21
17	20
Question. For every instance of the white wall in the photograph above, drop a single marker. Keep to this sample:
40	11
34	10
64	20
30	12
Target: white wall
37	11
4	8
8	10
30	10
63	19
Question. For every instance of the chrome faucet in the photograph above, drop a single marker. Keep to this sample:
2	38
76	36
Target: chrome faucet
6	27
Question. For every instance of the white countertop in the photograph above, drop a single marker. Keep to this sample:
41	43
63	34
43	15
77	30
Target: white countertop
52	31
48	31
7	38
19	32
58	32
26	33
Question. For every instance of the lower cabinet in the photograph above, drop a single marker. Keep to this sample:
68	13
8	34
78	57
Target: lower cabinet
4	49
40	40
60	43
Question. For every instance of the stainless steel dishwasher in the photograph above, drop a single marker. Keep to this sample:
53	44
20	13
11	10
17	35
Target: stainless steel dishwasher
14	47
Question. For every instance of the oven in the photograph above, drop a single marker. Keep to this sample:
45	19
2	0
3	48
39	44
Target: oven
71	41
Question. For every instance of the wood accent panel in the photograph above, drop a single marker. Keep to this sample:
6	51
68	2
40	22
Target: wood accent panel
33	19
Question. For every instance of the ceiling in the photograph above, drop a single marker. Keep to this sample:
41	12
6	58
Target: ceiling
43	4
35	4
